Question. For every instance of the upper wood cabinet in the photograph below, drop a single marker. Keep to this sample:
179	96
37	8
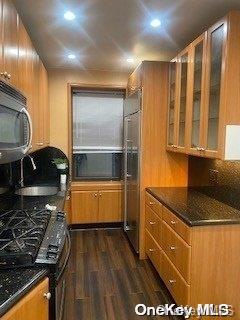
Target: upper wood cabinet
10	53
208	113
197	63
44	113
172	104
181	99
178	97
21	66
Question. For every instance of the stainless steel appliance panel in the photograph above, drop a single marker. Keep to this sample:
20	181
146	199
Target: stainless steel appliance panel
131	172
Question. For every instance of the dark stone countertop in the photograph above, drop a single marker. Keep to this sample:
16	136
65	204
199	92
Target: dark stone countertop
17	282
201	206
14	284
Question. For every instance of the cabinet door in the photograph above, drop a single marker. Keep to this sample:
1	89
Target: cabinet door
214	71
197	80
110	206
172	105
84	206
41	106
10	42
32	306
183	64
22	60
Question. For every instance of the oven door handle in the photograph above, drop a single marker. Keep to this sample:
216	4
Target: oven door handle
68	239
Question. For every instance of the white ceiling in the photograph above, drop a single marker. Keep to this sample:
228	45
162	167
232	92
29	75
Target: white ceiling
105	32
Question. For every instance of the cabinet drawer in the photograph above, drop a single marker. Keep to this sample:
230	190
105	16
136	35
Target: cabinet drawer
153	224
176	224
177	286
177	250
153	251
154	204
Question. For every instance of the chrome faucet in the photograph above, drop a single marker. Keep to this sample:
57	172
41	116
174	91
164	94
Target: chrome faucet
22	170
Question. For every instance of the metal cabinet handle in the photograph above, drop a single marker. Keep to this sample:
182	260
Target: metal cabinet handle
100	194
151	203
173	222
172	281
151	250
200	149
95	194
152	222
47	295
173	248
8	76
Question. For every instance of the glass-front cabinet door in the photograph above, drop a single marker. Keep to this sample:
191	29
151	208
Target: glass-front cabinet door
183	64
172	105
196	110
216	40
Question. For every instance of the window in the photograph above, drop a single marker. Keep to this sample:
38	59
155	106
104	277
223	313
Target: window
97	135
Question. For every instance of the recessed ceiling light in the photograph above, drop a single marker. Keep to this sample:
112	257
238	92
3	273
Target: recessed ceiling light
155	23
130	60
71	56
69	15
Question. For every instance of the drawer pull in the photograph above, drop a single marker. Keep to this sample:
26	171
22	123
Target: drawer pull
172	281
151	203
47	295
152	222
173	222
151	250
173	248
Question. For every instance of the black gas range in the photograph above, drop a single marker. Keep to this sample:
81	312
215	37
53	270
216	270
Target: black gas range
33	238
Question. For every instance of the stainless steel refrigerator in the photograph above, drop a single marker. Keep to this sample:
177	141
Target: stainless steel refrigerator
132	136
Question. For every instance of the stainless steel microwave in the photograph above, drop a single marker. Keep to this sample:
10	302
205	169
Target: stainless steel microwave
15	124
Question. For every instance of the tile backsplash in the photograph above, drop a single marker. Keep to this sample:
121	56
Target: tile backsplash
46	170
203	171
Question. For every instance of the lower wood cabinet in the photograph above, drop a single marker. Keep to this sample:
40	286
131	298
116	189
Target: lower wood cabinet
84	206
33	306
200	264
96	204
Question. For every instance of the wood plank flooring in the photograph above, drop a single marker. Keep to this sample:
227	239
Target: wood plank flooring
106	279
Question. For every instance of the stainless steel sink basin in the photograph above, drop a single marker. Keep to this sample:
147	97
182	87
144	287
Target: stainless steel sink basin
37	191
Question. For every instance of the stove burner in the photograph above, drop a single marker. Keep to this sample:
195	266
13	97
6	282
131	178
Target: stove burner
21	233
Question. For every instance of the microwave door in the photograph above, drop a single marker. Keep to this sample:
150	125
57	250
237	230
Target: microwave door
15	134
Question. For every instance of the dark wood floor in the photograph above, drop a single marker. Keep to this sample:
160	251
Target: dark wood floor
106	279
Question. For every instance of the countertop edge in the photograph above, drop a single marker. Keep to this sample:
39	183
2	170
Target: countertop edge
6	306
200	223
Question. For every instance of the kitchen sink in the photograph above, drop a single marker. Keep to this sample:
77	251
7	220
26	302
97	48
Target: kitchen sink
37	191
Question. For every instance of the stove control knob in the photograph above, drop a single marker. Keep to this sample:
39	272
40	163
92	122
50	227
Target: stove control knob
60	215
51	255
52	247
47	295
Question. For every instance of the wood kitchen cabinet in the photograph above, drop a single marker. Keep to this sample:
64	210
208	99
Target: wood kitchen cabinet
212	123
33	305
21	66
10	52
187	258
110	206
43	130
177	110
96	202
84	207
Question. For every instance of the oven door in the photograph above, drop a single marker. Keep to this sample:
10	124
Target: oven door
15	133
61	280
